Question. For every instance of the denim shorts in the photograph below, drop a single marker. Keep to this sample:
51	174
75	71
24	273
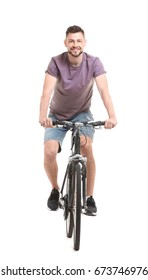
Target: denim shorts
58	133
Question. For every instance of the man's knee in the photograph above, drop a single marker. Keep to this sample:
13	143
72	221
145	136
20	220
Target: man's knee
86	148
51	149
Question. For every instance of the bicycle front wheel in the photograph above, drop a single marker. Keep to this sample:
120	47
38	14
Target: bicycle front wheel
77	206
69	224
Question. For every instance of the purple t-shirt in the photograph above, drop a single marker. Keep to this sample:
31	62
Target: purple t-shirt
74	86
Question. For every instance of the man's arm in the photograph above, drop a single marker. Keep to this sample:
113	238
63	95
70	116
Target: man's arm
48	87
102	85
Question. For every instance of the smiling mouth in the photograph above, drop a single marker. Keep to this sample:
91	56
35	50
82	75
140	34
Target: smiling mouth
76	49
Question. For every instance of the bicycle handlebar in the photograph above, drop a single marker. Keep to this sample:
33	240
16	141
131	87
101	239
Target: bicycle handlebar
69	124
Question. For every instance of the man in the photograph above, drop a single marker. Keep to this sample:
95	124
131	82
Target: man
68	88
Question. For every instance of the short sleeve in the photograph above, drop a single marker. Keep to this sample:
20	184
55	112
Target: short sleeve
52	68
98	68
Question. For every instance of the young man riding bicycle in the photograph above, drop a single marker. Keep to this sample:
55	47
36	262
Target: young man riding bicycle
68	89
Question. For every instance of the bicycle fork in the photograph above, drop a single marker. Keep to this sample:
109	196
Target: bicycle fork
73	160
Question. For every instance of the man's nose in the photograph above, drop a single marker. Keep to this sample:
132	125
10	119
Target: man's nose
75	43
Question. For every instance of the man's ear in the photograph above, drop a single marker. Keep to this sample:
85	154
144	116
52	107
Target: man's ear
65	43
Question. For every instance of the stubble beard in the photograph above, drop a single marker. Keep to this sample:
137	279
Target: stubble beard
75	55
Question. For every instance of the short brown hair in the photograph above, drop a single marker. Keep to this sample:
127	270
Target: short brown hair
74	29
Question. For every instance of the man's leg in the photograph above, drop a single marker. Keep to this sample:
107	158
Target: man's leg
91	167
87	151
50	163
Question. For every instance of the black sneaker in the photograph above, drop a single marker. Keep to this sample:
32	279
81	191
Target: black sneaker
53	200
91	209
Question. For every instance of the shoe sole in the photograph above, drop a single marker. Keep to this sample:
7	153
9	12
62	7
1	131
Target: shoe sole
89	213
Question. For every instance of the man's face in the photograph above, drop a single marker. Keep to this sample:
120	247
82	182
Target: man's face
75	43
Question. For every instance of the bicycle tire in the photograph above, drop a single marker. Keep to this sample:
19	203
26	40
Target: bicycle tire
84	184
69	225
77	207
69	220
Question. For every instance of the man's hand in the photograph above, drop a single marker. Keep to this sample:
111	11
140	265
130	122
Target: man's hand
46	122
110	123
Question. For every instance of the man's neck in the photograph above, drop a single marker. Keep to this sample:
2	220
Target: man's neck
75	61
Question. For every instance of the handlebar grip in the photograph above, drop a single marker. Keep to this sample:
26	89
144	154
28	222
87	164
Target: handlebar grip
98	123
58	122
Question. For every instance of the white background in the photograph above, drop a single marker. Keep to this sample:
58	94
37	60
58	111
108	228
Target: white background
31	33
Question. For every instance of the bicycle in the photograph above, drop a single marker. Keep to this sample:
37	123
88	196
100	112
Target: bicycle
73	198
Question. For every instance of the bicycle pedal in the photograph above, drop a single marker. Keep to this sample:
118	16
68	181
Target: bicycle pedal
61	204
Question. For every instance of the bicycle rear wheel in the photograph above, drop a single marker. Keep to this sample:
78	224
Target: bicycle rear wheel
69	220
77	207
